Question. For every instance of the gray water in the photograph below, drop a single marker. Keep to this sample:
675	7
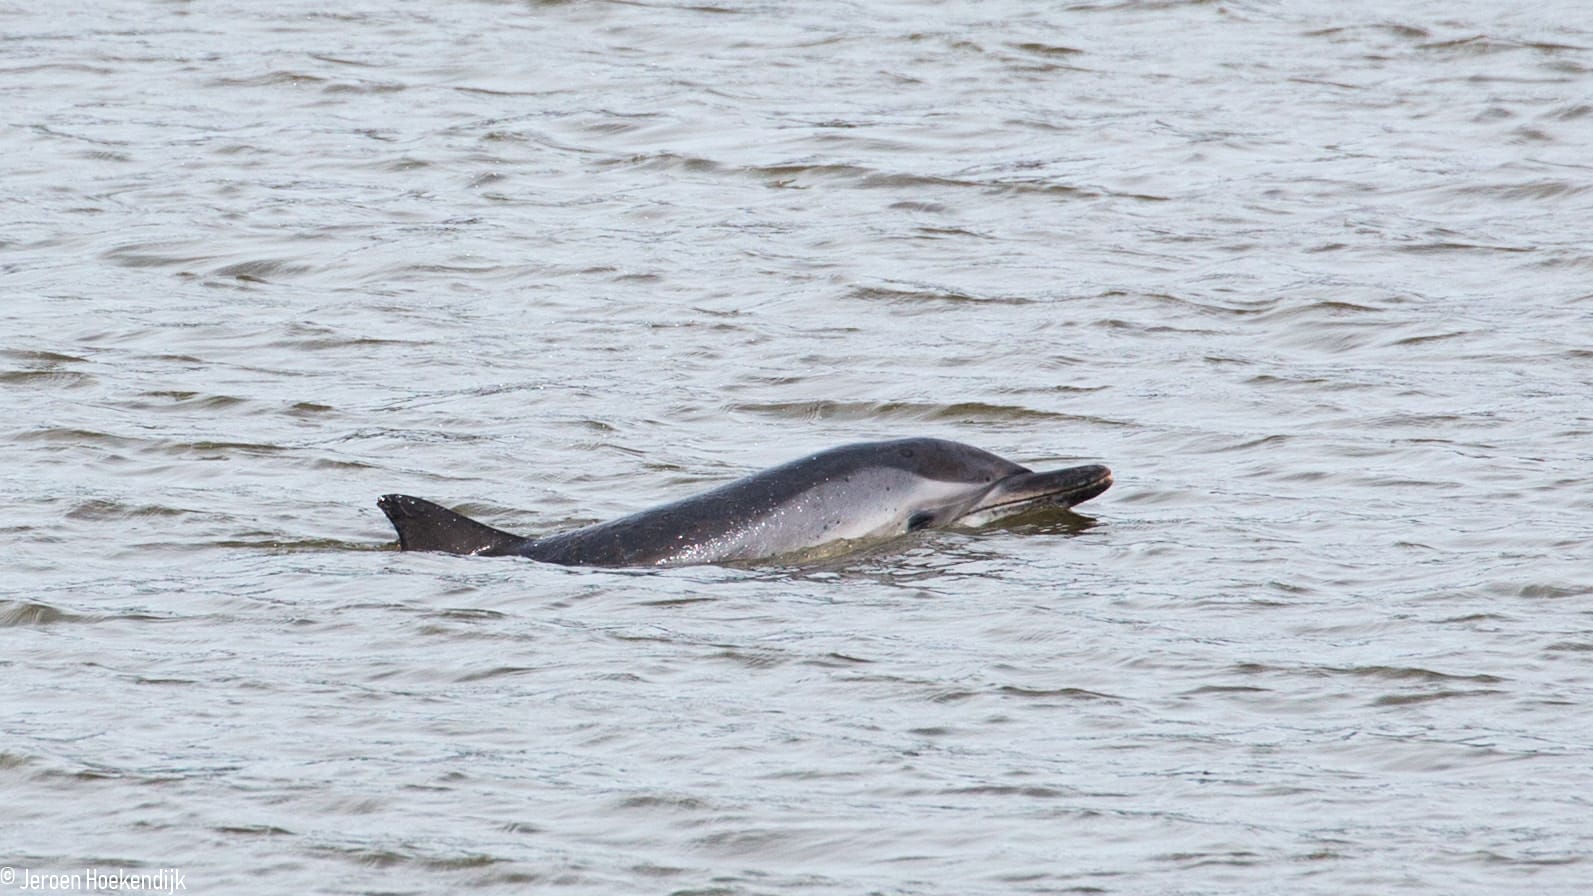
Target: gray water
1312	278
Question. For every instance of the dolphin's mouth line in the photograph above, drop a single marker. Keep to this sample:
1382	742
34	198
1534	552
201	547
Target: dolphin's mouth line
1077	492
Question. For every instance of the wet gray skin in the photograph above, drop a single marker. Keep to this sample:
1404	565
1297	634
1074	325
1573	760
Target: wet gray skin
848	497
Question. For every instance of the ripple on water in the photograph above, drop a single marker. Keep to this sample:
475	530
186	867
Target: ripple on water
28	614
961	412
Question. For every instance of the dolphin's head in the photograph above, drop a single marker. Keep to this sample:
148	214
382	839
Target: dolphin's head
963	486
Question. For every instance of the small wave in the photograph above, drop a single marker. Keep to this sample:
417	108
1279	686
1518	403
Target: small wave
262	270
187	401
1407	699
67	379
1529	191
1051	50
1482	45
1457	246
1354	32
115	511
377	857
364	87
1407	673
28	614
961	412
270	79
916	296
1053	693
150	255
27	356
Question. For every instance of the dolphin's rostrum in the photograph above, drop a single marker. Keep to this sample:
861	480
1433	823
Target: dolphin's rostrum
852	495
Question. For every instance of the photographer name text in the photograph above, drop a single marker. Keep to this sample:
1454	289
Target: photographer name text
94	880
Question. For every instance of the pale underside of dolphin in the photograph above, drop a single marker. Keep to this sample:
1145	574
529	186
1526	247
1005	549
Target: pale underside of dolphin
842	499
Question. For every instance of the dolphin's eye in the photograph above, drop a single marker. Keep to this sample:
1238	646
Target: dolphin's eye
920	520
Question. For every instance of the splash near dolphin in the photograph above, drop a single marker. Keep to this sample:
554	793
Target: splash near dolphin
850	496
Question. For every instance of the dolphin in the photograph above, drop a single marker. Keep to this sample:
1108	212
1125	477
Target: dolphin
836	500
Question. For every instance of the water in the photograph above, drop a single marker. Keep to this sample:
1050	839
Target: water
1312	280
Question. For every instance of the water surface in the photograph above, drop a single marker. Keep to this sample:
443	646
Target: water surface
1312	280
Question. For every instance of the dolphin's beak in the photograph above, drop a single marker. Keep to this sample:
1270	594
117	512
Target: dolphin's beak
1061	488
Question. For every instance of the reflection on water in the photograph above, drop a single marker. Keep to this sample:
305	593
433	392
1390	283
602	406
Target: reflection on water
1312	281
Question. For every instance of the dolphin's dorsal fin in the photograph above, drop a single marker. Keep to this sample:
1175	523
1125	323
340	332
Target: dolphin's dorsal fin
424	526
